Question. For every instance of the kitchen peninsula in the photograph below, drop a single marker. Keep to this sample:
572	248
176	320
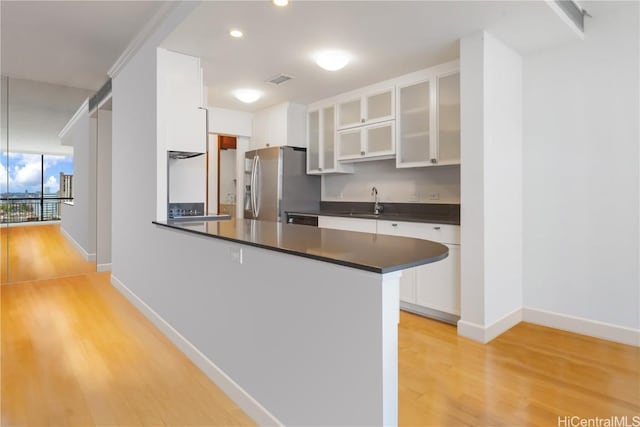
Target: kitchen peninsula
317	337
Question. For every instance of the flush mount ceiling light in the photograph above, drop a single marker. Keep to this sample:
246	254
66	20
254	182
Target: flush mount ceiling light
236	34
247	96
281	2
332	60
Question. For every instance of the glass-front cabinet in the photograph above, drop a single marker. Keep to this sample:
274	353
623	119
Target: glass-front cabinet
428	121
449	118
321	142
367	108
375	141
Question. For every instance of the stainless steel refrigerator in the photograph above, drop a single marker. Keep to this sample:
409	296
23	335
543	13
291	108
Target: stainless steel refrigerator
276	181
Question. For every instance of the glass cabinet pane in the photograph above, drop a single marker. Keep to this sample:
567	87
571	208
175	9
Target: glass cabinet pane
313	152
349	144
380	139
328	138
380	105
414	114
349	113
449	119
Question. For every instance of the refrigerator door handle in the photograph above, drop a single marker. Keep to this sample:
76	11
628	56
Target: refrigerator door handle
253	188
258	181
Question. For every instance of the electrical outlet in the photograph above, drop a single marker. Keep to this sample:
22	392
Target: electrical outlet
434	196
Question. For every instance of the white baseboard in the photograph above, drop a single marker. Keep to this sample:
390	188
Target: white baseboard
236	393
86	255
103	267
580	325
31	223
484	334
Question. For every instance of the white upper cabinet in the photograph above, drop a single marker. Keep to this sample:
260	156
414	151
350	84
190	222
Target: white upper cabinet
181	111
428	119
321	142
372	141
366	108
282	124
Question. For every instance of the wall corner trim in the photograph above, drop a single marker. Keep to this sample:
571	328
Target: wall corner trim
484	334
236	393
580	325
83	109
140	38
86	255
103	267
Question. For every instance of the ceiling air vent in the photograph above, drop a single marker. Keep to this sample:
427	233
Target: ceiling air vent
279	79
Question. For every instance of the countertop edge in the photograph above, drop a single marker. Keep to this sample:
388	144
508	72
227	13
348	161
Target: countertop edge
376	218
369	268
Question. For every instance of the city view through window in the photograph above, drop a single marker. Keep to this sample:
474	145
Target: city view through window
33	186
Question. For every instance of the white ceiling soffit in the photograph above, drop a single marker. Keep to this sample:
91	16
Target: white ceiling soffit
70	43
386	38
37	112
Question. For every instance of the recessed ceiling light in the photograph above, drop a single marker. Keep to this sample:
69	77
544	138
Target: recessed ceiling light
281	2
332	60
247	96
236	34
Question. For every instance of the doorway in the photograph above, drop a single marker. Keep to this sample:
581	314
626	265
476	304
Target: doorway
227	181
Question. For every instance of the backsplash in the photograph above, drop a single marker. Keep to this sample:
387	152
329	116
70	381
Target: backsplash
407	185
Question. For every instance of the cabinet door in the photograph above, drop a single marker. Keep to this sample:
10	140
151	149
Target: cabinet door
313	142
350	144
347	224
328	138
448	120
180	93
414	125
408	283
379	106
438	283
260	129
380	139
350	113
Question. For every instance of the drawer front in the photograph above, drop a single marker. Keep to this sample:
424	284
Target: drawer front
347	224
441	233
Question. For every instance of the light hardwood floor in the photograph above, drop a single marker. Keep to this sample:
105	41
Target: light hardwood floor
38	252
526	377
76	353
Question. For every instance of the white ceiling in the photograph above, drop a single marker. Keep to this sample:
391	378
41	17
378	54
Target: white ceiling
70	43
57	53
387	39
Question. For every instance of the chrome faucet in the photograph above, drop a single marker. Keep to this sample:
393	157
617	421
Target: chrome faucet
377	207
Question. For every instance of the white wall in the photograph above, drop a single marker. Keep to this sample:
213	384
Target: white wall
581	178
103	183
229	122
240	323
227	176
491	213
394	185
79	220
188	180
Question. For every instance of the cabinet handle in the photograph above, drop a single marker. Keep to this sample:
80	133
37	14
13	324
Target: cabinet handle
362	120
394	225
436	228
362	153
320	169
434	161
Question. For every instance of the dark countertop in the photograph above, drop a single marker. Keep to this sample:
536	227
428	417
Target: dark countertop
410	212
364	251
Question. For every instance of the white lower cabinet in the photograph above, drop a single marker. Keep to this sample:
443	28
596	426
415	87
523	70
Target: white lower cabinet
348	224
438	284
435	286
